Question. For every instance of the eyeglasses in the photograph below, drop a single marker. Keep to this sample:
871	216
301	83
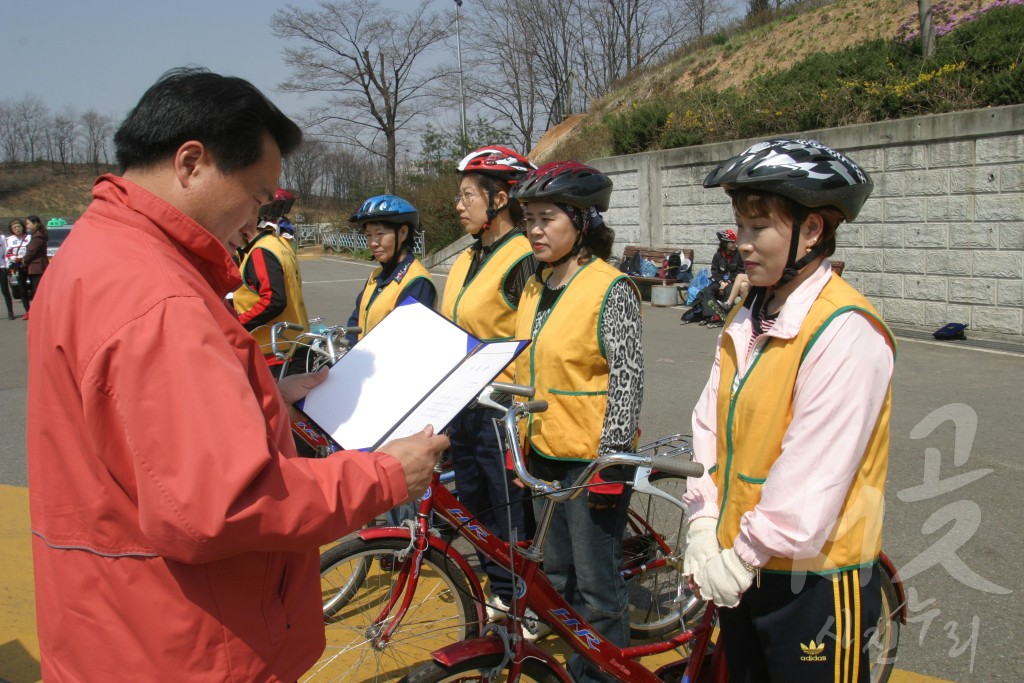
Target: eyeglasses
465	198
378	237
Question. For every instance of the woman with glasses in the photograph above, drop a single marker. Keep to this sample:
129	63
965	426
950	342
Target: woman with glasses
390	224
481	296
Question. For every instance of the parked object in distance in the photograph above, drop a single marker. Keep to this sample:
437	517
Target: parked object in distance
55	237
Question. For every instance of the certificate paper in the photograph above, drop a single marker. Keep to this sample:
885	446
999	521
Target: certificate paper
413	369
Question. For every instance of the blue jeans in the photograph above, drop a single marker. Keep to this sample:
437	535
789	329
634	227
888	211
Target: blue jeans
485	486
398	514
582	557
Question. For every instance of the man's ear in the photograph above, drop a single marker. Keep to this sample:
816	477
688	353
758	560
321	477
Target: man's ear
189	161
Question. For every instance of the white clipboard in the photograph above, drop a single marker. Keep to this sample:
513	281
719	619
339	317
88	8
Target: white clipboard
412	369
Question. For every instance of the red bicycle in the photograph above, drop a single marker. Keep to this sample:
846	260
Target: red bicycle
506	655
391	595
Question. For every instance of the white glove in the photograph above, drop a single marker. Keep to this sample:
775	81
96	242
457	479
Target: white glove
724	579
701	544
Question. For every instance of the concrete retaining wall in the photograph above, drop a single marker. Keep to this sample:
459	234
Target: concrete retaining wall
940	240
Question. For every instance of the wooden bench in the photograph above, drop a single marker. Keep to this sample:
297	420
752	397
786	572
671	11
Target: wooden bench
657	255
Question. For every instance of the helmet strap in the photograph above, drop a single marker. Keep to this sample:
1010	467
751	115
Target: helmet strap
794	265
396	255
574	252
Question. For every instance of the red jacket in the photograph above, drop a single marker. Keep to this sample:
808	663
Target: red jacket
175	530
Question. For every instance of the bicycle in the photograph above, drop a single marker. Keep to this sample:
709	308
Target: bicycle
505	651
392	594
323	346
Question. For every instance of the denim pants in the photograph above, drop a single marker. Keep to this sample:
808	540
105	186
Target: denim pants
485	486
582	557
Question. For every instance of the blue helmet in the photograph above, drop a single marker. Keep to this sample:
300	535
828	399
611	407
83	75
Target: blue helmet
387	208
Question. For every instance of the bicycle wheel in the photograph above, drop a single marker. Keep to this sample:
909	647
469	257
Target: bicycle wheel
340	580
358	580
478	670
652	556
884	643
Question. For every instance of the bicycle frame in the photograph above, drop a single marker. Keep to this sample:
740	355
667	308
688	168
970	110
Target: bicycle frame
536	592
441	501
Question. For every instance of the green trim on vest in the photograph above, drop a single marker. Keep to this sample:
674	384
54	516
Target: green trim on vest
846	309
571	428
728	433
378	304
752	427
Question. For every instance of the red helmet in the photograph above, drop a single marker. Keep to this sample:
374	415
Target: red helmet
280	206
497	162
727	235
568	182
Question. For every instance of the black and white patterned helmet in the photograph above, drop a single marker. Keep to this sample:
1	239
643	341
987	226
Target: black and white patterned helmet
806	171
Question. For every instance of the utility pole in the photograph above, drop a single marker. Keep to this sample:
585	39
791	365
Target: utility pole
924	11
462	92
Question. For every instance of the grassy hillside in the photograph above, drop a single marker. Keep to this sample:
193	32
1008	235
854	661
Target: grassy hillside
821	64
46	190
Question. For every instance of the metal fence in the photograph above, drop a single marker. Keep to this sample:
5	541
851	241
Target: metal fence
311	234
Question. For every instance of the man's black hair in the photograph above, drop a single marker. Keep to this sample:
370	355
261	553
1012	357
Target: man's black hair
225	113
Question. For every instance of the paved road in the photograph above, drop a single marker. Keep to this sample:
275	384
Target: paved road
955	473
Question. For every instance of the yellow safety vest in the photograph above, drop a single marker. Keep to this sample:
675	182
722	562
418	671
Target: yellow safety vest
566	364
754	413
478	304
245	297
375	308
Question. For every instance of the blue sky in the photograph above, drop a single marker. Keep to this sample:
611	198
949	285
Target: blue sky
103	54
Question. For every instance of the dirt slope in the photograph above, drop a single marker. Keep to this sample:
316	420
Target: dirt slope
768	48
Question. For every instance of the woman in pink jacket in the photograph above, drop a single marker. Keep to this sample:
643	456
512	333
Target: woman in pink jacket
793	428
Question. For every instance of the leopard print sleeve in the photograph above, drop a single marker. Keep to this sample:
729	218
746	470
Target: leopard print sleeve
621	331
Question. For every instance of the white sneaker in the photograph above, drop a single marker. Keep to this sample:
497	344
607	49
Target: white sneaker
533	628
497	609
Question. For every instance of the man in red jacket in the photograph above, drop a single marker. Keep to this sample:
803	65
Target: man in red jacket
175	532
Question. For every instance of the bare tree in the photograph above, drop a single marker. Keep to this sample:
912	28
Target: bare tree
646	30
704	15
33	118
303	168
64	135
503	79
365	57
97	132
348	175
554	31
10	139
758	7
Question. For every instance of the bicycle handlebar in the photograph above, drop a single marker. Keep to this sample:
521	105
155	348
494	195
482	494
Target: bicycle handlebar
277	328
676	466
513	389
669	465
